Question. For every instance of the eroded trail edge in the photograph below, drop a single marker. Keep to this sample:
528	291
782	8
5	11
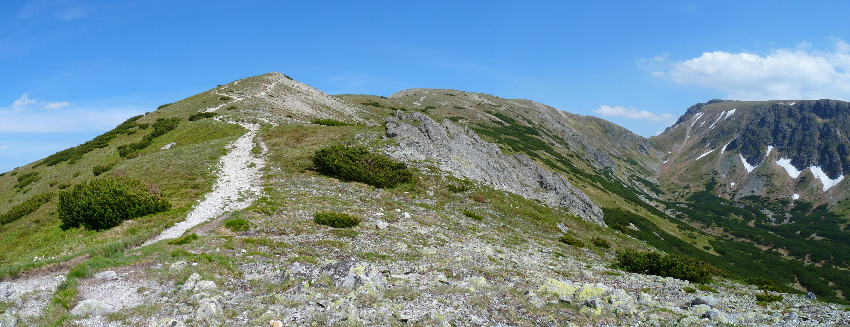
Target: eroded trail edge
237	186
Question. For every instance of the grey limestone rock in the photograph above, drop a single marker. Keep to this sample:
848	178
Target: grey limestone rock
8	292
704	299
459	151
811	296
169	323
7	319
106	275
711	315
168	146
91	307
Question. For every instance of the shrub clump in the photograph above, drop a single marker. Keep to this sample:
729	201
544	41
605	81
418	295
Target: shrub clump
27	207
184	239
202	115
473	215
668	265
100	169
104	203
335	219
601	242
359	165
25	180
329	122
570	240
160	127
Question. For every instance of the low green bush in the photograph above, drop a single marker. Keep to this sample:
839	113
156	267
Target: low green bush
570	240
335	219
457	188
359	165
184	239
768	297
600	242
667	265
160	127
27	207
25	180
104	203
706	288
689	290
100	169
202	115
237	224
329	122
430	107
473	215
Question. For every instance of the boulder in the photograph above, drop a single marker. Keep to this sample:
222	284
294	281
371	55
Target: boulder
106	275
7	319
588	291
168	146
811	296
169	323
8	293
563	289
704	299
91	307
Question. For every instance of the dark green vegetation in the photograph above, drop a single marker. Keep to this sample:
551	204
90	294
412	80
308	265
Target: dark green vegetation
473	215
667	265
329	122
25	180
186	239
25	208
75	153
359	165
160	127
600	242
202	115
105	203
335	219
571	240
100	169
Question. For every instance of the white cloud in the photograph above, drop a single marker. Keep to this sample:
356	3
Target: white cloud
798	73
631	113
23	101
56	105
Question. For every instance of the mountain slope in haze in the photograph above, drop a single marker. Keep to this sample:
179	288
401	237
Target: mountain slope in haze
507	231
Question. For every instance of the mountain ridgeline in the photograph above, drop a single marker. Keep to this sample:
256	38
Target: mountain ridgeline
753	188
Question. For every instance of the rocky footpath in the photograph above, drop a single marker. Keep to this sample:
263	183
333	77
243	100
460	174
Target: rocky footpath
459	151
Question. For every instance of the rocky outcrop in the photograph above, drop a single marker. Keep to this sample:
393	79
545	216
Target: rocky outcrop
459	151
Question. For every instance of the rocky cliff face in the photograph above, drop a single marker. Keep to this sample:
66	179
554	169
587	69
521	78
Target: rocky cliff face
462	153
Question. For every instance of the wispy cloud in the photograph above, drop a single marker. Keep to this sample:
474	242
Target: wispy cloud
61	10
25	103
631	113
790	73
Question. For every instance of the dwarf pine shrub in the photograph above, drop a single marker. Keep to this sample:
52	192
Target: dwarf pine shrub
104	203
359	165
329	122
202	115
237	224
335	219
667	265
570	240
601	242
25	208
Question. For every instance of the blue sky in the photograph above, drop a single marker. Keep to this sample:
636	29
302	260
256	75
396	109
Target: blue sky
74	69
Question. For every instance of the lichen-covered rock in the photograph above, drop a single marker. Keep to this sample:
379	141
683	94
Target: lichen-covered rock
208	311
459	151
563	289
704	299
189	285
588	291
107	275
8	293
169	323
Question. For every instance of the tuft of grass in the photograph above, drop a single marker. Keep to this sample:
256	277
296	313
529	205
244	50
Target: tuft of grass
767	298
706	288
335	219
359	165
570	240
689	290
237	224
457	188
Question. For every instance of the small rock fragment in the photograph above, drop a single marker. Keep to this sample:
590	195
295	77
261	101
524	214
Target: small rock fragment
275	323
106	275
177	266
811	296
168	146
381	224
91	307
707	300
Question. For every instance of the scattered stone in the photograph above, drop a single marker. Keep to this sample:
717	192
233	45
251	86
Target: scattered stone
8	292
791	318
107	275
205	285
275	323
563	289
534	300
381	224
405	215
588	291
91	307
168	146
177	266
208	311
704	299
169	323
190	283
811	296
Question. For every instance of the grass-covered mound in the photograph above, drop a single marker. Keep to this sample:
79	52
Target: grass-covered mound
104	203
667	265
359	165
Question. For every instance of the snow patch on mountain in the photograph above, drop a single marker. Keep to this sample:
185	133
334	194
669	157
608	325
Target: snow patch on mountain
827	182
747	164
792	171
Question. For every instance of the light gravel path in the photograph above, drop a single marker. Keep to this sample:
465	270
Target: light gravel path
237	186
